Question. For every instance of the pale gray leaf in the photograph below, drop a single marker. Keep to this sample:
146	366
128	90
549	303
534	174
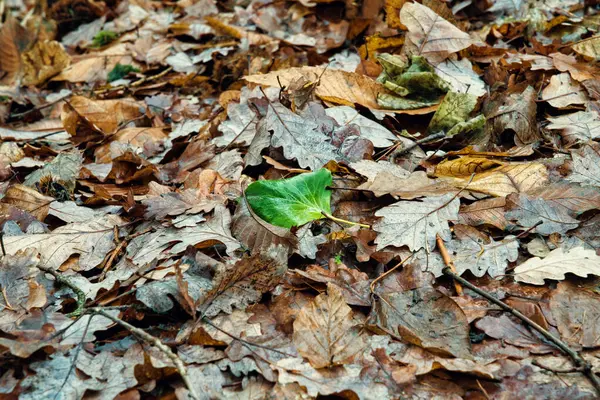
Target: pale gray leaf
379	135
529	211
586	167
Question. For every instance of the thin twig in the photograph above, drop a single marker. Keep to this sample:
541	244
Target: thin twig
427	139
395	267
579	361
156	342
448	261
67	282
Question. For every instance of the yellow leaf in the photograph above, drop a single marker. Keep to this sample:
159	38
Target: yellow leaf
43	61
588	47
106	116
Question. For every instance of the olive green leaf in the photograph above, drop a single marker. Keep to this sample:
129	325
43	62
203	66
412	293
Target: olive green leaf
294	201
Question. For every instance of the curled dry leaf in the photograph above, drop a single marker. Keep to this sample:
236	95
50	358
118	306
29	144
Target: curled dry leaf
258	235
514	112
28	199
325	331
579	261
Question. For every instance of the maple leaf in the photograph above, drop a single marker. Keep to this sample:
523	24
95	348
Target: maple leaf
415	224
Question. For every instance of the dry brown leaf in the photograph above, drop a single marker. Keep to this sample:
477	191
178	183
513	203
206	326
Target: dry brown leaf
20	281
562	92
488	211
567	63
335	86
427	318
508	330
148	141
503	180
43	61
96	66
28	199
430	35
577	315
105	116
14	39
515	112
325	331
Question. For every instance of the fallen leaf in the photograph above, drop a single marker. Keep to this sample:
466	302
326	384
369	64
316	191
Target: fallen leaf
484	212
105	116
28	199
92	240
579	261
578	126
515	112
528	211
376	133
576	314
567	63
325	332
14	39
258	235
291	202
416	223
508	330
589	47
96	66
21	283
500	181
586	167
562	92
426	318
335	86
64	169
460	75
43	61
431	35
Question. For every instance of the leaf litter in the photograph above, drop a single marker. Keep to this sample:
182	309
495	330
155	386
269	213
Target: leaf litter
209	199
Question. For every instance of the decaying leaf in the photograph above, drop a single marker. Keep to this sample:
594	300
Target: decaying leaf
547	218
586	166
105	116
575	311
325	332
28	199
20	281
579	261
416	223
426	318
589	47
517	113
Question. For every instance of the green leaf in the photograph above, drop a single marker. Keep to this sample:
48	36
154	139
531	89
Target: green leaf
292	202
121	71
453	110
103	38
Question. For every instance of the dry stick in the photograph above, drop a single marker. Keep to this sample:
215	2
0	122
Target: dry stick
156	342
448	261
67	282
426	139
579	361
395	267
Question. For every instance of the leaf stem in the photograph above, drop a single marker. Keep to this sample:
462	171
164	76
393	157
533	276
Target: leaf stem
336	219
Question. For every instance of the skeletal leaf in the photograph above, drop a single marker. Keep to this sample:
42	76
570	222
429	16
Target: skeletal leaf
579	261
325	333
416	223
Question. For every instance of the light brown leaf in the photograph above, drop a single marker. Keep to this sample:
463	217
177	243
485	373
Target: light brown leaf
562	92
335	86
568	63
431	35
95	66
579	261
488	211
105	116
589	47
502	180
28	199
149	141
13	40
258	235
325	332
43	61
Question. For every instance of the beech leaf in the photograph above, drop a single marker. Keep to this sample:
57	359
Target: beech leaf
291	202
324	331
